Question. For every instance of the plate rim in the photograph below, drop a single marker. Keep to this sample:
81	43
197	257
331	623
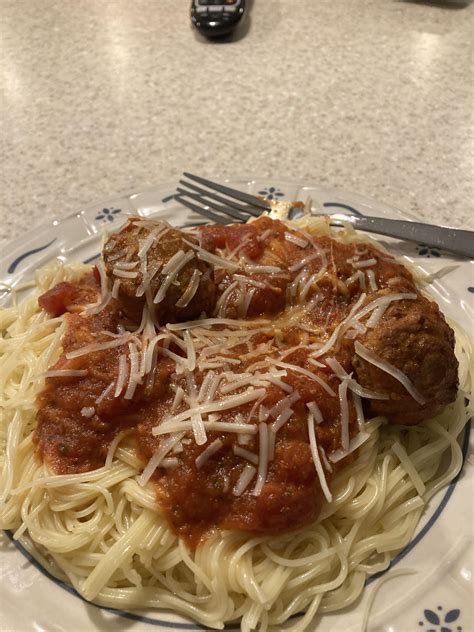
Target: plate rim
171	184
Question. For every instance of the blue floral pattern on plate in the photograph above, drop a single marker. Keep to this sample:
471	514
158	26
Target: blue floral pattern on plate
108	214
271	193
439	620
427	251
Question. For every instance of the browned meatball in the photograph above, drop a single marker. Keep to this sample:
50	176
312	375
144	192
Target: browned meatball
415	338
146	259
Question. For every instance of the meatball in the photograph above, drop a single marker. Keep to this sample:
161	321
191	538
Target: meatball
414	337
152	262
253	294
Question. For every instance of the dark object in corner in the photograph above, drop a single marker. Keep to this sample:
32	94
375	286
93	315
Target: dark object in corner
217	18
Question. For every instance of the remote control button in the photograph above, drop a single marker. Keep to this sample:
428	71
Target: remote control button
201	9
215	9
230	9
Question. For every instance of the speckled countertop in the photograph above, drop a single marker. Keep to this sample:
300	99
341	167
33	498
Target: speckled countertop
373	96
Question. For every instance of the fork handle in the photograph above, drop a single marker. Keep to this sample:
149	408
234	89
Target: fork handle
455	240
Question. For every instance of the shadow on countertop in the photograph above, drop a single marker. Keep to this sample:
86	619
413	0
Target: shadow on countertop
440	4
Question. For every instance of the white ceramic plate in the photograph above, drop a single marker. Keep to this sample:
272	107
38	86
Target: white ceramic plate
436	598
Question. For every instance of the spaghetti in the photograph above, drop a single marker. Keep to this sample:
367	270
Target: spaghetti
103	530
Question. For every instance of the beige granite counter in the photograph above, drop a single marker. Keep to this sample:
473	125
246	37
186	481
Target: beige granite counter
100	97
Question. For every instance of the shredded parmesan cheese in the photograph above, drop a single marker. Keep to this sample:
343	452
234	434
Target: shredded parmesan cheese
357	276
302	243
354	443
309	374
216	406
375	317
219	426
125	274
246	454
97	346
281	420
221	304
134	377
66	373
211	449
115	288
364	264
344	415
254	268
244	480
210	322
385	300
372	282
165	447
190	290
339	329
354	386
359	410
316	458
122	375
88	411
262	459
286	402
315	411
218	262
104	393
171	270
301	264
152	238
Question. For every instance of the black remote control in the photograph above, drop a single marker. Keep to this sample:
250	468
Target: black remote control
215	18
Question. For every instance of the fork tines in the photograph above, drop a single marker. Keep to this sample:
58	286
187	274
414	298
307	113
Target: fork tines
218	202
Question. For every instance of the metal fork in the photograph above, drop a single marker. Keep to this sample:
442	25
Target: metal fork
225	205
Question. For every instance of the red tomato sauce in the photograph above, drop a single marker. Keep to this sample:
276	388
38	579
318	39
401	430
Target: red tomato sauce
198	501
